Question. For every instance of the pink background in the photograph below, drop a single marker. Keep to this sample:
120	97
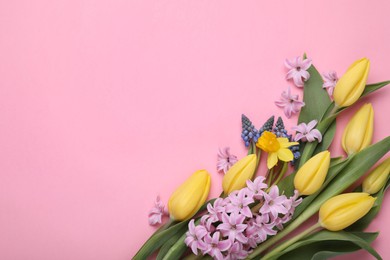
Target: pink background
106	104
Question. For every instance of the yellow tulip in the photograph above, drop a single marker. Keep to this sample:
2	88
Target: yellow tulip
358	133
377	178
311	175
239	173
350	86
190	196
343	210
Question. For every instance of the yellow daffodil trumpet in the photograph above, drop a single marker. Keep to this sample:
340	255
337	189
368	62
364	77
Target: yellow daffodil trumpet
351	85
236	177
359	130
312	174
343	210
377	178
190	196
277	148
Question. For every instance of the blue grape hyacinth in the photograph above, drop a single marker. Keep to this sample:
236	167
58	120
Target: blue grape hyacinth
249	132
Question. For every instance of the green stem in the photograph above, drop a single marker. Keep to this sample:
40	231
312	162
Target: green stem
158	239
270	177
281	174
291	241
258	158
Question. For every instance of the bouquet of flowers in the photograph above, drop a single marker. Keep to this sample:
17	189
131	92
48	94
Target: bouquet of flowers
254	214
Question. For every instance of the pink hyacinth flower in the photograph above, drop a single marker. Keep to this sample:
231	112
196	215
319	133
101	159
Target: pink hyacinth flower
156	213
236	251
273	203
306	132
233	227
330	80
239	203
289	103
194	237
215	247
256	187
298	70
225	160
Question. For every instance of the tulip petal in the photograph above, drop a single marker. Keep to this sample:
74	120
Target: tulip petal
343	210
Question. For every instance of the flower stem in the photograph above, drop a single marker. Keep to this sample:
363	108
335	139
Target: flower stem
270	177
291	241
281	174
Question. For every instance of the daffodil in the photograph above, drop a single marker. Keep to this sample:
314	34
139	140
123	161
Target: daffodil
277	148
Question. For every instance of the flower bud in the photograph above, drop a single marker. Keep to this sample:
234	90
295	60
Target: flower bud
358	133
377	178
351	85
236	177
190	196
343	210
311	175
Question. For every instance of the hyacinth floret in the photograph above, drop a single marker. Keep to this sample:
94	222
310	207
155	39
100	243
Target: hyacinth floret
228	231
249	132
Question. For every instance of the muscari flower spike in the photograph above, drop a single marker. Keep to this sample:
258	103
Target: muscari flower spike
268	125
280	131
249	132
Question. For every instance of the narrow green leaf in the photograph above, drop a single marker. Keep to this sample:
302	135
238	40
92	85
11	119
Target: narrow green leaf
325	244
177	249
372	87
160	237
158	240
169	243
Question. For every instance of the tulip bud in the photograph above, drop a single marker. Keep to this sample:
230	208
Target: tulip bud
343	210
377	178
190	196
311	175
236	177
358	133
351	85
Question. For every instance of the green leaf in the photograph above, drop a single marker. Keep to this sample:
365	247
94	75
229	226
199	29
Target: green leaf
169	243
363	223
325	244
372	87
286	185
157	240
160	237
315	97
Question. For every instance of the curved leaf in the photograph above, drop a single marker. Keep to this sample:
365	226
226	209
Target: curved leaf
325	244
372	87
315	97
